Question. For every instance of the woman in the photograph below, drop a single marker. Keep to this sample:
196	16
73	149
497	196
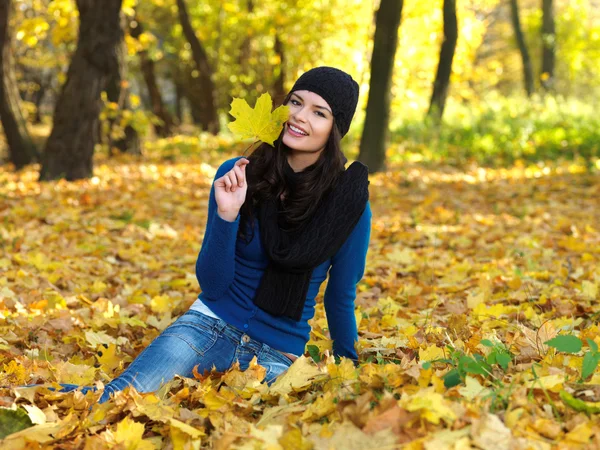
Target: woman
278	222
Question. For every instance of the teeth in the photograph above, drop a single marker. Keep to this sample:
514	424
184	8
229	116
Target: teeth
296	130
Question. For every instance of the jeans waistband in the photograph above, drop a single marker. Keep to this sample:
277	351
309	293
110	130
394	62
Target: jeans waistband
233	333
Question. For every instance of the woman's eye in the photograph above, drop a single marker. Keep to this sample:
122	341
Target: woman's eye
294	102
319	113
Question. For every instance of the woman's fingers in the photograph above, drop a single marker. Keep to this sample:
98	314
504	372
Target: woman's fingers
233	178
241	162
227	182
236	177
240	175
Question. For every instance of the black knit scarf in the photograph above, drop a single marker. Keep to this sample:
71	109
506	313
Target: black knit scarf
293	256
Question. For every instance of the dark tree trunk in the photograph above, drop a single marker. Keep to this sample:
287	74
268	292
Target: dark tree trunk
191	91
246	43
70	148
548	44
195	111
385	42
244	56
279	85
38	98
21	149
205	99
527	70
179	94
165	128
444	70
117	91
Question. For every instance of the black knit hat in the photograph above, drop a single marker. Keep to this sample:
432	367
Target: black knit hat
337	88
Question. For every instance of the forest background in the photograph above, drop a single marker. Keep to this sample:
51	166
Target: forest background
477	312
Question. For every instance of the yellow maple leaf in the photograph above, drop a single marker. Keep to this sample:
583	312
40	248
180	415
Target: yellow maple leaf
431	353
589	290
298	377
108	358
321	407
259	123
245	383
473	389
129	434
80	374
432	406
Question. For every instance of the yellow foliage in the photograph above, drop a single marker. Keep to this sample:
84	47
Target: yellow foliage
92	271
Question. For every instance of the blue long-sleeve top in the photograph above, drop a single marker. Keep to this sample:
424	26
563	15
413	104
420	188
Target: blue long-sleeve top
229	272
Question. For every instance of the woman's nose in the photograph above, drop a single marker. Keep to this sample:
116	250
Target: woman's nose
300	115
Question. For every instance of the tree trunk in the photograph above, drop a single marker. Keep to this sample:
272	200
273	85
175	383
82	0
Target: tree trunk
207	105
179	94
444	70
192	92
385	42
44	81
246	43
165	128
527	70
279	85
70	148
38	98
21	149
117	92
548	44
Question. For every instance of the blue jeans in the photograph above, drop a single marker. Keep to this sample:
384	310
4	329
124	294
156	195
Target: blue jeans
194	339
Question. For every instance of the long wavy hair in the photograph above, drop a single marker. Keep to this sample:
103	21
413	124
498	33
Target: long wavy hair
267	180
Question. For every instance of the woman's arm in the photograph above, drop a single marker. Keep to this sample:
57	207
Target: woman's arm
215	266
347	269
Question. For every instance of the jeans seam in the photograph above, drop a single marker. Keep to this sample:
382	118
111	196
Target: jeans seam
195	324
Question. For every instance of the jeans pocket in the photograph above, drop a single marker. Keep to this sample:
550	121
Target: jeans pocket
198	336
275	363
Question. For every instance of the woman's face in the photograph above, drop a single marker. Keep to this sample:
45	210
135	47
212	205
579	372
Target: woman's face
309	124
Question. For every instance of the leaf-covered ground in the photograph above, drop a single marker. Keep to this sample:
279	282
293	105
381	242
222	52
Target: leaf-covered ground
469	275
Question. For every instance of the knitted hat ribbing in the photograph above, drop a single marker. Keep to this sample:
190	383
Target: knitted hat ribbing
337	88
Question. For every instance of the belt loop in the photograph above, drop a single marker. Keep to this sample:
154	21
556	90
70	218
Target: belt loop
220	325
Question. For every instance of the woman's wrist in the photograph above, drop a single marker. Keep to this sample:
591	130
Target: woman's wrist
228	216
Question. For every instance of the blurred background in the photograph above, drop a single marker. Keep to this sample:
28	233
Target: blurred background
494	82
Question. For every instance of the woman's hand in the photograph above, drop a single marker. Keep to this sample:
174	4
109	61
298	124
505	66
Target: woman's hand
230	190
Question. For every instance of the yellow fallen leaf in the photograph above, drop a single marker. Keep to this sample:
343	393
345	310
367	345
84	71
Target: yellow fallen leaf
405	256
431	353
553	383
36	415
129	433
581	434
299	375
96	338
449	440
109	359
217	399
490	433
589	290
473	389
80	374
432	406
38	433
188	429
161	304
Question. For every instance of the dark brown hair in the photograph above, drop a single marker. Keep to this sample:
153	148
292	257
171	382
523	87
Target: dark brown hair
266	180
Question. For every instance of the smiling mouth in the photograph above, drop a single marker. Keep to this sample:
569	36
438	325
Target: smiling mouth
295	131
